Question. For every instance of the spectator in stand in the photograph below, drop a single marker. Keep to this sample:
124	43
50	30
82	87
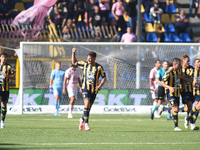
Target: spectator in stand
70	7
132	13
6	9
155	13
147	5
161	35
194	3
105	9
128	37
89	11
56	19
182	24
67	29
80	10
163	3
118	10
95	21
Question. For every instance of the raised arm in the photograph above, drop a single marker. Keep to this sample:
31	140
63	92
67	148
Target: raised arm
74	60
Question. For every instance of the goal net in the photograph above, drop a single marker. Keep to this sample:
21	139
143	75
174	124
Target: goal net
127	68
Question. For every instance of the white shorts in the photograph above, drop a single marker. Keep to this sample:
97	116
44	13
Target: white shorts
72	92
154	95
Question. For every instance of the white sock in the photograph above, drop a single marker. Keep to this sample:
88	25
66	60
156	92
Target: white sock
70	108
191	125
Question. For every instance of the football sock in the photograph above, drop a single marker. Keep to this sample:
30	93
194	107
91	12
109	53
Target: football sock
175	116
58	105
0	110
55	103
168	109
195	116
70	108
168	115
155	108
86	114
182	109
3	113
191	113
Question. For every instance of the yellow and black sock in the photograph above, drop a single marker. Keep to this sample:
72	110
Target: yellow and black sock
195	116
182	109
175	116
86	114
3	113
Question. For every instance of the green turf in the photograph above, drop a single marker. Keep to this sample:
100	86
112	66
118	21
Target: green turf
45	131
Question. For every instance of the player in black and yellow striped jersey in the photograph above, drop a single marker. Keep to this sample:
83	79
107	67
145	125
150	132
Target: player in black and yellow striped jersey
186	93
92	71
171	81
6	73
192	116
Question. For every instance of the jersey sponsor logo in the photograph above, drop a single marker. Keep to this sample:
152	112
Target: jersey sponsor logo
1	77
90	77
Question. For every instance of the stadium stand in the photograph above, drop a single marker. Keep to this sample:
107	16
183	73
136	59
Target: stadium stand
83	33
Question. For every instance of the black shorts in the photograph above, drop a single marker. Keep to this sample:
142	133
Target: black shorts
88	95
161	92
4	95
187	97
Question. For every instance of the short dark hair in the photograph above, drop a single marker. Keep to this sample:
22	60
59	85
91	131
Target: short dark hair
5	54
157	60
166	62
159	28
196	59
175	60
93	54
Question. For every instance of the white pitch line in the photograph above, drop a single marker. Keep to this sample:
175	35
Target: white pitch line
189	143
118	120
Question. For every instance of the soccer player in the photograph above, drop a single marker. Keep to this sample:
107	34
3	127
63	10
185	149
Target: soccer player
154	88
58	76
161	90
187	79
171	81
6	73
72	78
196	92
91	74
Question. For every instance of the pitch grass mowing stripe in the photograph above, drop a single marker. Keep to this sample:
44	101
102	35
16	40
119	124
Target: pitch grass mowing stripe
193	143
96	120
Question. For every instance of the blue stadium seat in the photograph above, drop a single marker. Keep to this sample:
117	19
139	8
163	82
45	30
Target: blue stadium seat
171	9
134	76
166	38
111	15
185	37
174	37
127	24
169	27
28	5
152	37
146	18
125	76
143	39
144	76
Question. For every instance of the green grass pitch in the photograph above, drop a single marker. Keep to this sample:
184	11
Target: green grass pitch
115	132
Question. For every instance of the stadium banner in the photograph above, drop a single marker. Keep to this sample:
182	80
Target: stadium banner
34	97
35	109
